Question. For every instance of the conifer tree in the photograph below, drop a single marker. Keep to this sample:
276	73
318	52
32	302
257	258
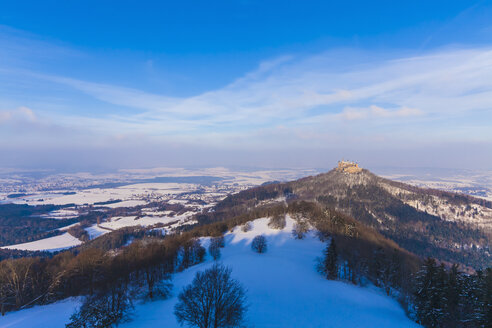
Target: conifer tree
487	298
468	300
452	293
426	294
477	297
331	260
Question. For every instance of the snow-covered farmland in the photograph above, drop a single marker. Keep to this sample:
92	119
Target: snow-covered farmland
283	290
128	221
51	244
61	214
96	231
129	195
144	221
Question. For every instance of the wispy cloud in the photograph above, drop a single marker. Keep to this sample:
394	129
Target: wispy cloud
287	91
351	113
293	100
21	114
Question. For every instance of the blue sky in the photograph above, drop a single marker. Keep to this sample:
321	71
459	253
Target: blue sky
86	84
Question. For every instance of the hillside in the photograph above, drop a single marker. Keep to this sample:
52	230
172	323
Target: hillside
447	226
283	289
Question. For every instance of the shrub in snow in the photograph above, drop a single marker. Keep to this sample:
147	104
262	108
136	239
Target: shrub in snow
246	227
259	244
213	299
277	222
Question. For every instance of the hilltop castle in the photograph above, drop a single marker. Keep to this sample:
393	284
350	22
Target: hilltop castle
348	167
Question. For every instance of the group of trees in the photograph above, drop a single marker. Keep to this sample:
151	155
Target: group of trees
103	309
448	298
437	296
190	253
214	247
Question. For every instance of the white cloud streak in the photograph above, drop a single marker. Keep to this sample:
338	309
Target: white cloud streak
351	113
319	100
443	83
21	114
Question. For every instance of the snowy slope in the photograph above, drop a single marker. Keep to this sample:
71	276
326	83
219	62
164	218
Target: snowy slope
283	289
51	244
53	315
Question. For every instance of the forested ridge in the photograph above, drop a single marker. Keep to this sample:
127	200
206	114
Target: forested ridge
21	223
366	198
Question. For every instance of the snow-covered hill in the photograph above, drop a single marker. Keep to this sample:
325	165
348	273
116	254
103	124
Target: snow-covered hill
283	290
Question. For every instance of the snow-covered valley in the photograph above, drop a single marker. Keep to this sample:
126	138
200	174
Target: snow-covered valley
80	194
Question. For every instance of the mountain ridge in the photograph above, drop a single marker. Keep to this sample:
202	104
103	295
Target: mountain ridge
415	218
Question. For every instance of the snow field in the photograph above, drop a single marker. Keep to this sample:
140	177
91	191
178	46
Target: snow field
131	195
145	221
94	231
51	244
42	316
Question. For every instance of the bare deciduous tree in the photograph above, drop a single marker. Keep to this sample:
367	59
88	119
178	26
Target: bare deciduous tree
277	221
104	309
301	227
214	249
259	244
212	300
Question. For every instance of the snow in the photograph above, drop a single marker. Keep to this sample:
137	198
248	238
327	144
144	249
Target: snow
128	221
166	188
53	315
283	290
51	244
475	215
65	228
96	231
61	214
